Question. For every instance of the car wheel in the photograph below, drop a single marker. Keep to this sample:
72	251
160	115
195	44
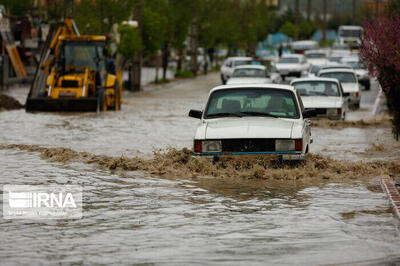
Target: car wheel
357	106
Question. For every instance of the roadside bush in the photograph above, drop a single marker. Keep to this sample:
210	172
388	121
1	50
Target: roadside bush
381	52
184	74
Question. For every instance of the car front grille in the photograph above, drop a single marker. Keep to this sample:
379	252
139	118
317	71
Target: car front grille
248	145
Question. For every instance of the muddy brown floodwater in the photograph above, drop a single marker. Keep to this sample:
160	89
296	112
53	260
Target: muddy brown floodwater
151	206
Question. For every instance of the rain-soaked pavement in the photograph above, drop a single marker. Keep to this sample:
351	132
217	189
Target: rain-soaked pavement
143	217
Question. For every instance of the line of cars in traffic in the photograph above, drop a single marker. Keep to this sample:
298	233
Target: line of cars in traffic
254	113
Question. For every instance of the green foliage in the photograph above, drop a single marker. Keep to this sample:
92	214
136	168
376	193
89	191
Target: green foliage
290	29
17	7
130	41
184	74
97	16
153	30
306	29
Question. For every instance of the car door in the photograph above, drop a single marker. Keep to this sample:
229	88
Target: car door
306	124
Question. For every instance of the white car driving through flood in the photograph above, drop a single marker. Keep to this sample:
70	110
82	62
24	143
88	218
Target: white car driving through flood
229	65
292	65
324	95
248	119
348	79
253	74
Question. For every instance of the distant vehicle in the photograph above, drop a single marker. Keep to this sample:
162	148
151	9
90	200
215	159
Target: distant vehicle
349	82
230	63
302	46
350	35
324	95
313	70
360	69
253	74
263	119
292	65
337	47
316	57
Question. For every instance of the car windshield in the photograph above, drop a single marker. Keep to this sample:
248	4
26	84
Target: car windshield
335	59
317	88
315	69
355	64
242	62
80	54
315	56
344	77
350	33
289	60
341	47
252	102
249	73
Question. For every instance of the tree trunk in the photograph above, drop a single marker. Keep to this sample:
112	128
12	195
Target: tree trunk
308	10
324	20
194	41
137	59
297	13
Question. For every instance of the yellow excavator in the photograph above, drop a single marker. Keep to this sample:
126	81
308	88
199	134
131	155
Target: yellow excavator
73	74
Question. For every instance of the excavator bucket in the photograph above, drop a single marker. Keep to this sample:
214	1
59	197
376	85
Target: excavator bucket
62	105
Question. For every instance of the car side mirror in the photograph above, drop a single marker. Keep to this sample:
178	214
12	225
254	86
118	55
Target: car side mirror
309	113
195	114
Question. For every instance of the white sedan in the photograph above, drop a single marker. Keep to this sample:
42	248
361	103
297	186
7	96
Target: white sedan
266	119
292	65
253	74
348	79
324	95
229	65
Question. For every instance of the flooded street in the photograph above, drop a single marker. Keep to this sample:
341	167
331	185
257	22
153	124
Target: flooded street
140	209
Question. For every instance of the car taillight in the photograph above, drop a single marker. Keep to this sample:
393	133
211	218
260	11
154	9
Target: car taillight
298	145
198	146
357	94
339	111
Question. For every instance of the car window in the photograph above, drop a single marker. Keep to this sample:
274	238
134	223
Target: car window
241	62
300	101
289	60
344	77
315	69
249	101
249	73
317	88
315	56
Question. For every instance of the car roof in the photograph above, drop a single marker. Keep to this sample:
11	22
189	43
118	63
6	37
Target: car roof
336	66
254	86
350	59
239	58
337	70
251	66
292	55
314	79
316	51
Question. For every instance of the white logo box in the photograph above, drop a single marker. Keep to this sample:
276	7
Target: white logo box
42	202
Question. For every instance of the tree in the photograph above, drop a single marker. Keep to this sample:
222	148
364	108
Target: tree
380	51
289	29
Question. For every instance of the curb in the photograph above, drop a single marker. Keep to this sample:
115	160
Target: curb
389	186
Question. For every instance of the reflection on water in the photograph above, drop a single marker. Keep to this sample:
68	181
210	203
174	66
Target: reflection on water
132	218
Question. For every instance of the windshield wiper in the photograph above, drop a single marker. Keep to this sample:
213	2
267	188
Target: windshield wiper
259	114
225	114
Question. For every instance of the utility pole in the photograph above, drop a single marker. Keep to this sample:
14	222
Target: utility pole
324	11
136	69
308	10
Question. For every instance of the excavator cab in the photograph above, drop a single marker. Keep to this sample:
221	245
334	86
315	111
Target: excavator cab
76	78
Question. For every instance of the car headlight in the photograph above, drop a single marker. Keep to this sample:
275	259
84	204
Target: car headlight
212	146
284	145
